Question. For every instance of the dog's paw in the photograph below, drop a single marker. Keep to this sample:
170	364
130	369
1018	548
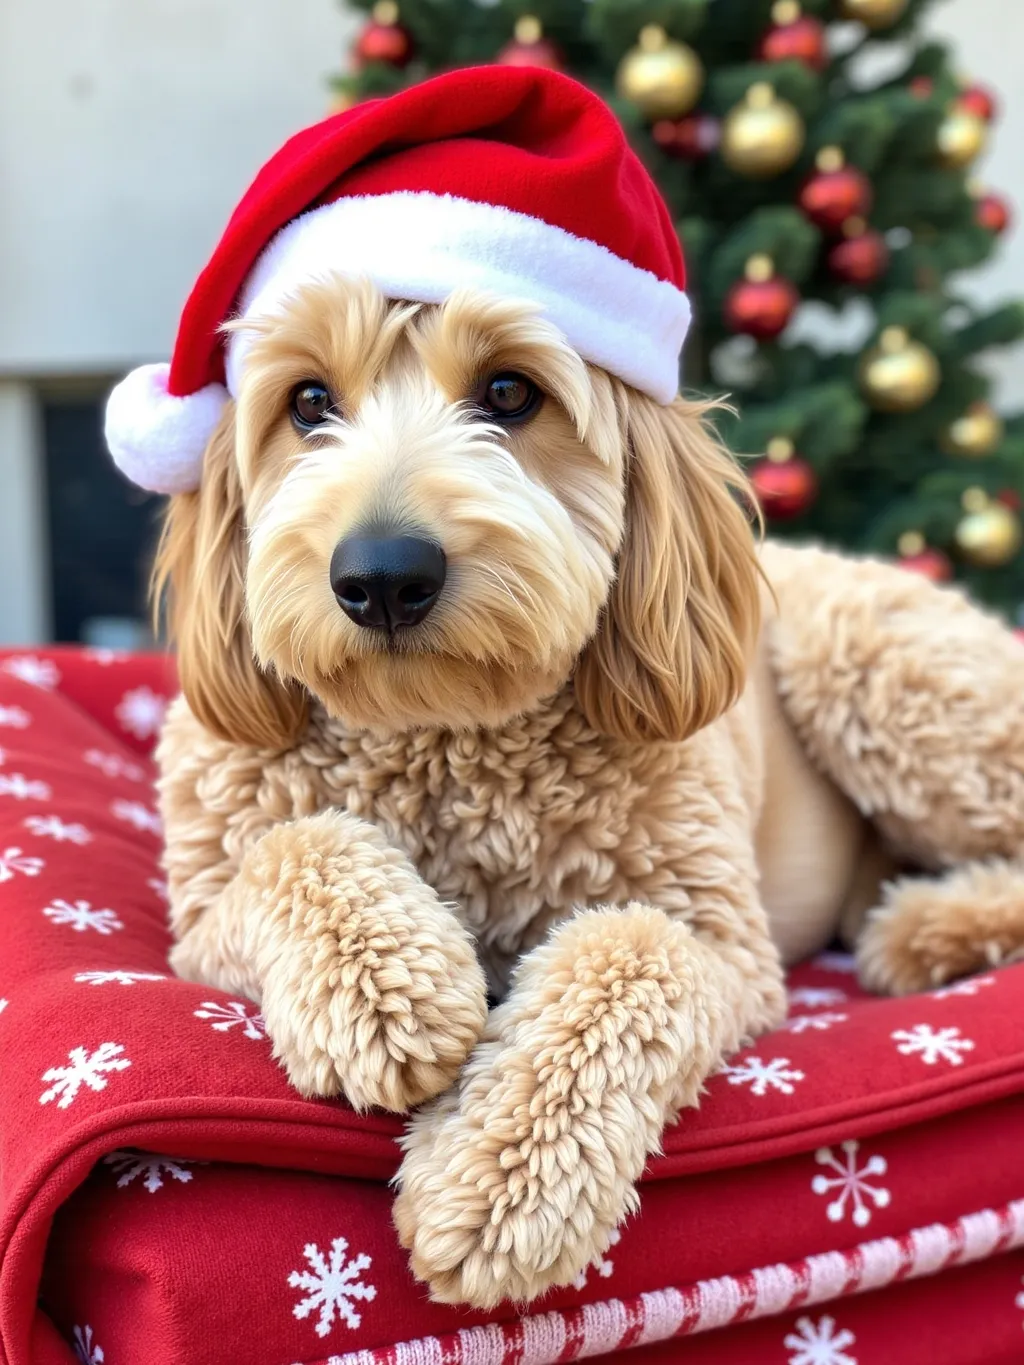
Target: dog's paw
499	1199
516	1181
932	930
370	985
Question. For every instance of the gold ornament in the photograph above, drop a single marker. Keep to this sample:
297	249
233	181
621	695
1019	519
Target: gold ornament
830	159
899	374
780	449
989	537
974	500
759	269
976	434
873	14
763	135
910	543
341	101
961	138
663	78
528	29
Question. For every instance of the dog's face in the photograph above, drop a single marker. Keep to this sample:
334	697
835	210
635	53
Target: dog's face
435	516
430	541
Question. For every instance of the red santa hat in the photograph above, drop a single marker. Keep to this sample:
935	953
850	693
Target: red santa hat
514	181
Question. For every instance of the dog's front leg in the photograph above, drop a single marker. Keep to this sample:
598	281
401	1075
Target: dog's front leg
515	1181
369	985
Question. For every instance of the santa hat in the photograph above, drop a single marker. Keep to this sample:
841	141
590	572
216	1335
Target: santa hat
515	181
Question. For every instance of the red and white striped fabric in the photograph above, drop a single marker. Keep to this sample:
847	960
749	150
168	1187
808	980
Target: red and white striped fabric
850	1193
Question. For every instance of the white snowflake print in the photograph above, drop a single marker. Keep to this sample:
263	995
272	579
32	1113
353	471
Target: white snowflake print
23	788
817	997
762	1076
80	916
15	716
332	1286
159	885
141	712
228	1016
818	1343
30	669
129	1166
117	978
113	765
86	1068
13	861
1019	1300
138	816
100	654
814	1023
971	986
850	1183
3	1005
836	962
86	1349
604	1265
53	827
932	1045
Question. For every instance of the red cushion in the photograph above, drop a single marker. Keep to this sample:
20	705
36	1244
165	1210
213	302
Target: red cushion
126	693
208	1263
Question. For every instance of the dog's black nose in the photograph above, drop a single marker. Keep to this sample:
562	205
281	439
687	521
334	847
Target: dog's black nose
387	581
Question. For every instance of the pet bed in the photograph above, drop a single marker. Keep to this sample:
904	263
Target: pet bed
851	1191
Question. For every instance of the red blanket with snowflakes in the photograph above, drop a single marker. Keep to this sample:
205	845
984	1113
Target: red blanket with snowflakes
167	1199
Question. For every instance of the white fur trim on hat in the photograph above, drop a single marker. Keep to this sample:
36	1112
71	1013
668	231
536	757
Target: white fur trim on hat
156	439
422	247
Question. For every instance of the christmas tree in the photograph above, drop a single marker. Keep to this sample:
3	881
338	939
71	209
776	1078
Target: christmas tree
798	174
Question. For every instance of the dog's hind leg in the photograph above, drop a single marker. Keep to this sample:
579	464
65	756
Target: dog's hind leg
911	700
929	931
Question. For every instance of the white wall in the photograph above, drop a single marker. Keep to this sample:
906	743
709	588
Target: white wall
127	130
988	37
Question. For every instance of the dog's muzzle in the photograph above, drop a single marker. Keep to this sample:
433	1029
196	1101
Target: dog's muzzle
384	581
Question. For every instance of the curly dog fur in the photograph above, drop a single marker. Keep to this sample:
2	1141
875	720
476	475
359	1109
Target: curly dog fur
626	768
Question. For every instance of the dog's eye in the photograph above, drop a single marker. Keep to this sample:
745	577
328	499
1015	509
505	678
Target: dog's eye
311	405
509	397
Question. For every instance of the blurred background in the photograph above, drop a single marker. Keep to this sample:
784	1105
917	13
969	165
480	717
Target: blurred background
128	129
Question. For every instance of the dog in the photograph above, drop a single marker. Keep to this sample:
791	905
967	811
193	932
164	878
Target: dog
489	688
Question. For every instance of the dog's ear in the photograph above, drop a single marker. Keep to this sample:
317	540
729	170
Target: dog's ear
682	616
198	580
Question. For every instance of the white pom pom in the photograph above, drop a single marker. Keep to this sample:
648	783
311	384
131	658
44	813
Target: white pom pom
158	441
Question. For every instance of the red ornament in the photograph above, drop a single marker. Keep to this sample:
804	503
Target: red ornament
529	47
979	101
1010	498
922	87
993	213
931	564
691	138
859	259
794	37
383	39
919	557
785	484
835	192
761	305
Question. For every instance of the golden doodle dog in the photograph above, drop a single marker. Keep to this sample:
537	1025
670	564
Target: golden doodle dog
488	688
